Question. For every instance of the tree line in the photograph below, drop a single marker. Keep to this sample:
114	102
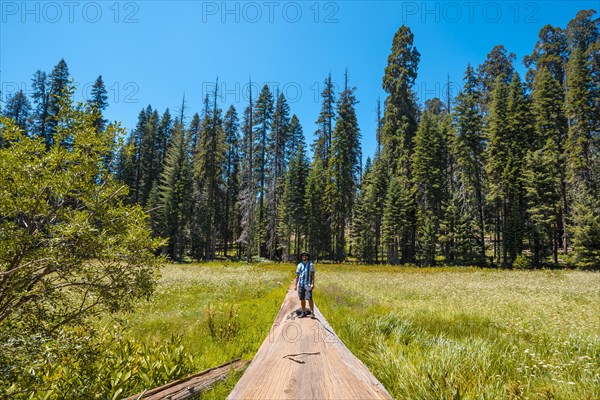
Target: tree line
505	173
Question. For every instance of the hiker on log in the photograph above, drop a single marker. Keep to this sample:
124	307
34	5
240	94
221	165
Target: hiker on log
305	283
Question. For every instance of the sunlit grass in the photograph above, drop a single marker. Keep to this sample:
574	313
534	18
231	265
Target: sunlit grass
470	333
240	300
426	333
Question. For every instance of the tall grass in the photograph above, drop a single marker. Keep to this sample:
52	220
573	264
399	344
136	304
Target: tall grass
201	316
221	310
426	333
454	333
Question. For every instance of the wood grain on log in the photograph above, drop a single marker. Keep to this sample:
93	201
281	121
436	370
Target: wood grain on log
302	358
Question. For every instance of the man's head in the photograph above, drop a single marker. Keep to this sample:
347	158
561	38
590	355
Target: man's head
305	256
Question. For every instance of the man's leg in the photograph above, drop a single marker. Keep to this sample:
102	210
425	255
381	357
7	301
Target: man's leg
309	296
302	295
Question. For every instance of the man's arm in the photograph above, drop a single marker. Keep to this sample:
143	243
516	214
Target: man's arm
312	279
297	277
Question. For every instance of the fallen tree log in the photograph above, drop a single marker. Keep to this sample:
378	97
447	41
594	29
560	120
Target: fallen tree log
192	386
303	358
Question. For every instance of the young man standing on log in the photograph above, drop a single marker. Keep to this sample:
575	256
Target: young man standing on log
305	283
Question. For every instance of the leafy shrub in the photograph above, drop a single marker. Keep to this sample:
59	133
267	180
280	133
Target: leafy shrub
85	362
69	247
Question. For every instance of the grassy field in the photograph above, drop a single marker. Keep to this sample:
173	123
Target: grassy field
470	333
220	310
439	333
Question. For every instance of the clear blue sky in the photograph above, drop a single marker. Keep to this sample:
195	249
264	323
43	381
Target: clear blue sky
152	52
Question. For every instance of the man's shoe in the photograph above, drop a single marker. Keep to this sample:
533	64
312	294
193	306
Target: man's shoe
302	315
313	316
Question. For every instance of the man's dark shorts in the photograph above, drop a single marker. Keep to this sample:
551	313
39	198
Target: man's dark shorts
304	293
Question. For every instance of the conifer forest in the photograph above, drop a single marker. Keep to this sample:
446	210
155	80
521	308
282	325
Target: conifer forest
506	173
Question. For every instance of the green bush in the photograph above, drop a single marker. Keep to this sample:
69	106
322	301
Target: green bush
69	247
87	362
71	250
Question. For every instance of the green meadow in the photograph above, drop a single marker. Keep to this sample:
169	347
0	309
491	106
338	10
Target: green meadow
426	333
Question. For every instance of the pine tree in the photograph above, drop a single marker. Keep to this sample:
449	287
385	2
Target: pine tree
468	151
582	157
40	95
291	211
247	200
593	56
325	122
208	179
430	168
550	132
317	223
521	131
583	94
379	126
278	143
400	118
140	161
181	110
322	152
232	184
18	108
435	106
195	132
542	185
583	34
58	82
344	164
128	160
363	232
262	118
377	196
397	214
551	52
583	31
296	138
174	196
400	126
497	154
510	129
147	165
368	211
99	101
163	137
497	64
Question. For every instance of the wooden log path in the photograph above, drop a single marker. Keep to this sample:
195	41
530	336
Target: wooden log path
302	358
